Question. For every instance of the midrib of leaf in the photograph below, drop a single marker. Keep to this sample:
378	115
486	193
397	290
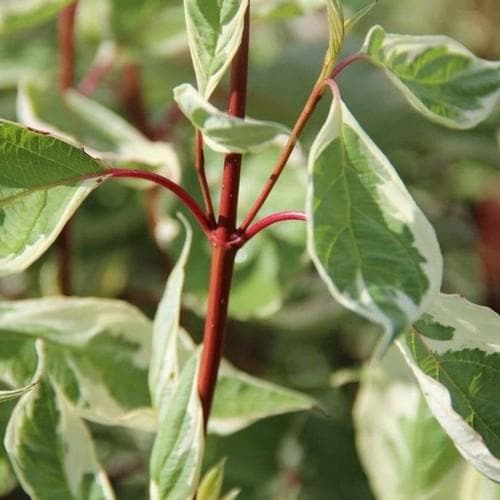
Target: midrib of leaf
44	187
468	403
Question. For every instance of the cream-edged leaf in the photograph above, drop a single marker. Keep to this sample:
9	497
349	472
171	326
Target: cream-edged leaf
10	394
357	16
214	30
97	351
177	455
43	180
394	427
19	14
50	447
241	399
370	243
222	132
440	78
454	352
164	366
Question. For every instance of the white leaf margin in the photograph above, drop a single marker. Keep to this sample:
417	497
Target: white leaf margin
415	45
403	208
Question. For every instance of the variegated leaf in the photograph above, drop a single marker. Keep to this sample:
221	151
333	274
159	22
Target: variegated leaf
453	351
177	454
440	78
214	30
369	241
222	132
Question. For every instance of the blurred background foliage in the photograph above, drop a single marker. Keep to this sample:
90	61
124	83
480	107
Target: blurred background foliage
285	327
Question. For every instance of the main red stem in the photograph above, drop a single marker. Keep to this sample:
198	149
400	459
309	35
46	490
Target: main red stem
222	264
66	30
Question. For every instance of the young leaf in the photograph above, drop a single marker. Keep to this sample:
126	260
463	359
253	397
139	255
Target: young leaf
240	400
335	17
19	14
211	484
404	451
456	362
97	351
177	453
42	183
440	78
9	395
369	241
214	30
222	132
277	9
164	366
52	451
357	16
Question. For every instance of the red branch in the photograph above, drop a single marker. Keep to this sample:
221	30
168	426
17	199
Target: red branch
304	117
269	221
223	254
189	202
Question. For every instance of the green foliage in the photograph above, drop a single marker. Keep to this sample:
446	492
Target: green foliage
92	387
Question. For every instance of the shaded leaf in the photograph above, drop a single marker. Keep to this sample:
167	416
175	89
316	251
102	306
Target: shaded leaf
97	351
19	14
241	400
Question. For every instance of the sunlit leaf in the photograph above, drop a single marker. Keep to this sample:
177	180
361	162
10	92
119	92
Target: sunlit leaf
214	30
222	132
440	78
19	14
42	183
454	353
394	427
369	241
177	454
241	400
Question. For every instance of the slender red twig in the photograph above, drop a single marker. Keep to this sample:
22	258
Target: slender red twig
173	187
66	41
269	221
342	65
223	254
202	177
300	124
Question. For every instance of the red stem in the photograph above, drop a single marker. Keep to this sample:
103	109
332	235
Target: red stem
66	40
269	221
304	117
358	56
223	254
183	195
202	177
